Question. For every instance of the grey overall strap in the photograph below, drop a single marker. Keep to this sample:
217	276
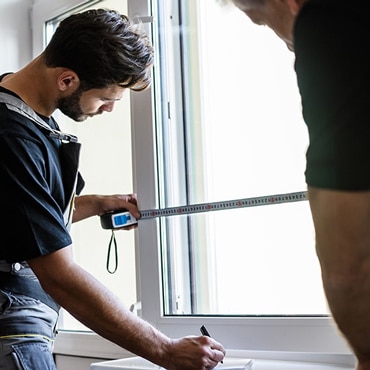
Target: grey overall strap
17	105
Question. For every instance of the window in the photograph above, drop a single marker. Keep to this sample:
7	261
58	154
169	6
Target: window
230	127
222	121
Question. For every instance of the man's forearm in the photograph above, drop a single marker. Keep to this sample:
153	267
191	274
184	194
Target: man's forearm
342	222
97	307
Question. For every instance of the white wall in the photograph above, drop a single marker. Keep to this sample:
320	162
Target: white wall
16	36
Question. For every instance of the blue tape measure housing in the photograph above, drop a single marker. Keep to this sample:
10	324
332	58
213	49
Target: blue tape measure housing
117	219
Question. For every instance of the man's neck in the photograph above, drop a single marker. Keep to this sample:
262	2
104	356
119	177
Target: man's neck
33	85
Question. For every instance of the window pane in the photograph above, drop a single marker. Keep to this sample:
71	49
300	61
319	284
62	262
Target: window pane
231	127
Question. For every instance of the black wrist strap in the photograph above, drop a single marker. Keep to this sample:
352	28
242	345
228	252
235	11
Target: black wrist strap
113	242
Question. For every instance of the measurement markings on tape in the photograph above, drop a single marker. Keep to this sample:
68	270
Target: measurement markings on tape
224	205
123	218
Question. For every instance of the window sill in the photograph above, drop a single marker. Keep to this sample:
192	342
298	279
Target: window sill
89	344
234	362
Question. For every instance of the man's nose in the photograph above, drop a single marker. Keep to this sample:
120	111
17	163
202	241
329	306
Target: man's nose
107	107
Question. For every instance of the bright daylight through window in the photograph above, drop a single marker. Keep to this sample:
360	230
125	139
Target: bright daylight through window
230	127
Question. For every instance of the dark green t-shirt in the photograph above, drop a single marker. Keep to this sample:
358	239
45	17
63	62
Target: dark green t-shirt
332	51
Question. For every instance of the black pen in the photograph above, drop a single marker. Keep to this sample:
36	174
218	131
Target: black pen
204	331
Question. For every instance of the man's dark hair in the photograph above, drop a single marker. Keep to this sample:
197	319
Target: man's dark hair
104	48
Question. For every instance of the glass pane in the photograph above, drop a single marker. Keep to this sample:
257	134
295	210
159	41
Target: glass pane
106	165
246	262
231	127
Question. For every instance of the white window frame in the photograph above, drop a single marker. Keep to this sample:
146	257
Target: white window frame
311	338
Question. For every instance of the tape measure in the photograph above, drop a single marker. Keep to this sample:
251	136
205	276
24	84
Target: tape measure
123	218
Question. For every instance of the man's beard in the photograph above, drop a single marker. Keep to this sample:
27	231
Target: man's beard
70	106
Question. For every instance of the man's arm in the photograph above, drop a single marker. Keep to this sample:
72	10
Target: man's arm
99	309
96	205
342	225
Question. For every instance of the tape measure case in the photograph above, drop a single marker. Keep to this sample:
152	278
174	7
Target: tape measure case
117	219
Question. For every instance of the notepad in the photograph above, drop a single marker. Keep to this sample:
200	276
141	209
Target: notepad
138	363
232	363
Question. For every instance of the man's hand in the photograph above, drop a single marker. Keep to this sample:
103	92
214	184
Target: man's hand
92	205
194	353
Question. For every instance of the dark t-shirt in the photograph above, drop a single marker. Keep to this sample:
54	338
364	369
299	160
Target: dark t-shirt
32	197
332	51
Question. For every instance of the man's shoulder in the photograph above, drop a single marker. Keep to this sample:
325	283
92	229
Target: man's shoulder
12	123
5	74
330	5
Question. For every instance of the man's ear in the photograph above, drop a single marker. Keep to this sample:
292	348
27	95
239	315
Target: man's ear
294	6
68	80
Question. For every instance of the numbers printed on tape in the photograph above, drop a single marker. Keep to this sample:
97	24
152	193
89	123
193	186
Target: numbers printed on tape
123	218
224	205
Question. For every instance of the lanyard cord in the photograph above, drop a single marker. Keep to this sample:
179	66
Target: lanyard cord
114	242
